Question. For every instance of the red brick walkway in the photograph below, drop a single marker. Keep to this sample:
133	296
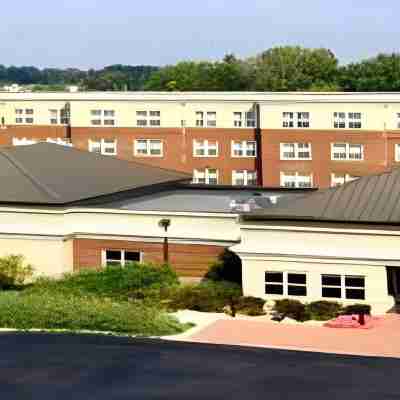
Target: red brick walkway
382	340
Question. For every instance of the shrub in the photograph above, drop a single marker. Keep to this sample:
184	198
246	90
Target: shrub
292	309
252	306
206	296
227	268
357	309
323	310
14	271
24	310
114	282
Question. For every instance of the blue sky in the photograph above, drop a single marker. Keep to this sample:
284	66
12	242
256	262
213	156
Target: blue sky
95	33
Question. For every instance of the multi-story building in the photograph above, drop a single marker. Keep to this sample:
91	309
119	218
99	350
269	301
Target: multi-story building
269	139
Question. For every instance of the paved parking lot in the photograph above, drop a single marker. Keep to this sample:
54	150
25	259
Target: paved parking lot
40	366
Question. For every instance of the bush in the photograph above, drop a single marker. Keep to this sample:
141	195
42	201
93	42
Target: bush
228	268
323	310
206	296
252	306
113	282
25	310
292	309
14	271
357	309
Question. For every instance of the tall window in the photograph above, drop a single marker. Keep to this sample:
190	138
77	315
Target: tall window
296	180
102	117
208	118
397	152
120	257
24	116
338	179
343	287
296	119
148	148
103	146
148	118
351	120
347	151
295	151
244	178
398	120
286	283
207	176
245	148
205	148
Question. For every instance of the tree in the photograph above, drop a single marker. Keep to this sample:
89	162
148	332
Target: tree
294	68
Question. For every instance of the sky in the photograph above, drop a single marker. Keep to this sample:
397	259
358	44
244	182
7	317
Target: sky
96	33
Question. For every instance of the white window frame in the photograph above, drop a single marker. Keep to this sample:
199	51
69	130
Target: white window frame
296	180
205	175
339	120
398	121
205	119
285	283
148	118
296	119
343	286
148	148
347	152
93	143
242	146
397	152
338	179
352	120
244	119
246	177
24	116
204	145
237	119
123	261
296	151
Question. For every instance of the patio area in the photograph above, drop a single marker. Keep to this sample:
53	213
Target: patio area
382	340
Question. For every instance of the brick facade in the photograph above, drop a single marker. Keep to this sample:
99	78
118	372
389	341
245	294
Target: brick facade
189	260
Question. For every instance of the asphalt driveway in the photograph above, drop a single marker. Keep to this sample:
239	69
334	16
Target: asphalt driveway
39	366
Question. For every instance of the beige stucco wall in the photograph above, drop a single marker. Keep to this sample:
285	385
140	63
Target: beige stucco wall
49	257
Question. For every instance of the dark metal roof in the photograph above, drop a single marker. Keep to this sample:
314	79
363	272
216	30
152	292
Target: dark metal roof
47	173
374	199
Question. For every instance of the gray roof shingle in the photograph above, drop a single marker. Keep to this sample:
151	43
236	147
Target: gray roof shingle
47	173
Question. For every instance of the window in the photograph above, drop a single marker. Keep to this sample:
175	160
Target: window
59	117
205	148
290	283
338	179
347	151
343	287
296	180
245	148
295	151
21	113
102	117
351	120
53	117
208	118
398	120
207	176
199	118
244	178
148	118
103	146
120	257
249	119
397	151
296	119
148	148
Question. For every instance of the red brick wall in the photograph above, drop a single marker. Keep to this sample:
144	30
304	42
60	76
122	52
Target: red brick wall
189	260
31	132
375	158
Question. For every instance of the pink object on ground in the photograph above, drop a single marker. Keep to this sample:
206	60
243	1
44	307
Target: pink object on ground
383	340
352	321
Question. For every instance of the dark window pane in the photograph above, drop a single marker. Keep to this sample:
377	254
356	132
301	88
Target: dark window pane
331	292
297	291
330	280
297	278
113	255
355	281
273	277
133	256
274	289
358	294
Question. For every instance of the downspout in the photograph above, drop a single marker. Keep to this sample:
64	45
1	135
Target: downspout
258	136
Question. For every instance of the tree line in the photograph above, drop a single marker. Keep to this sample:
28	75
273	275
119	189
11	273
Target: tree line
287	68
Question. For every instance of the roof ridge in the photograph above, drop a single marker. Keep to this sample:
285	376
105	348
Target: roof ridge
42	187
